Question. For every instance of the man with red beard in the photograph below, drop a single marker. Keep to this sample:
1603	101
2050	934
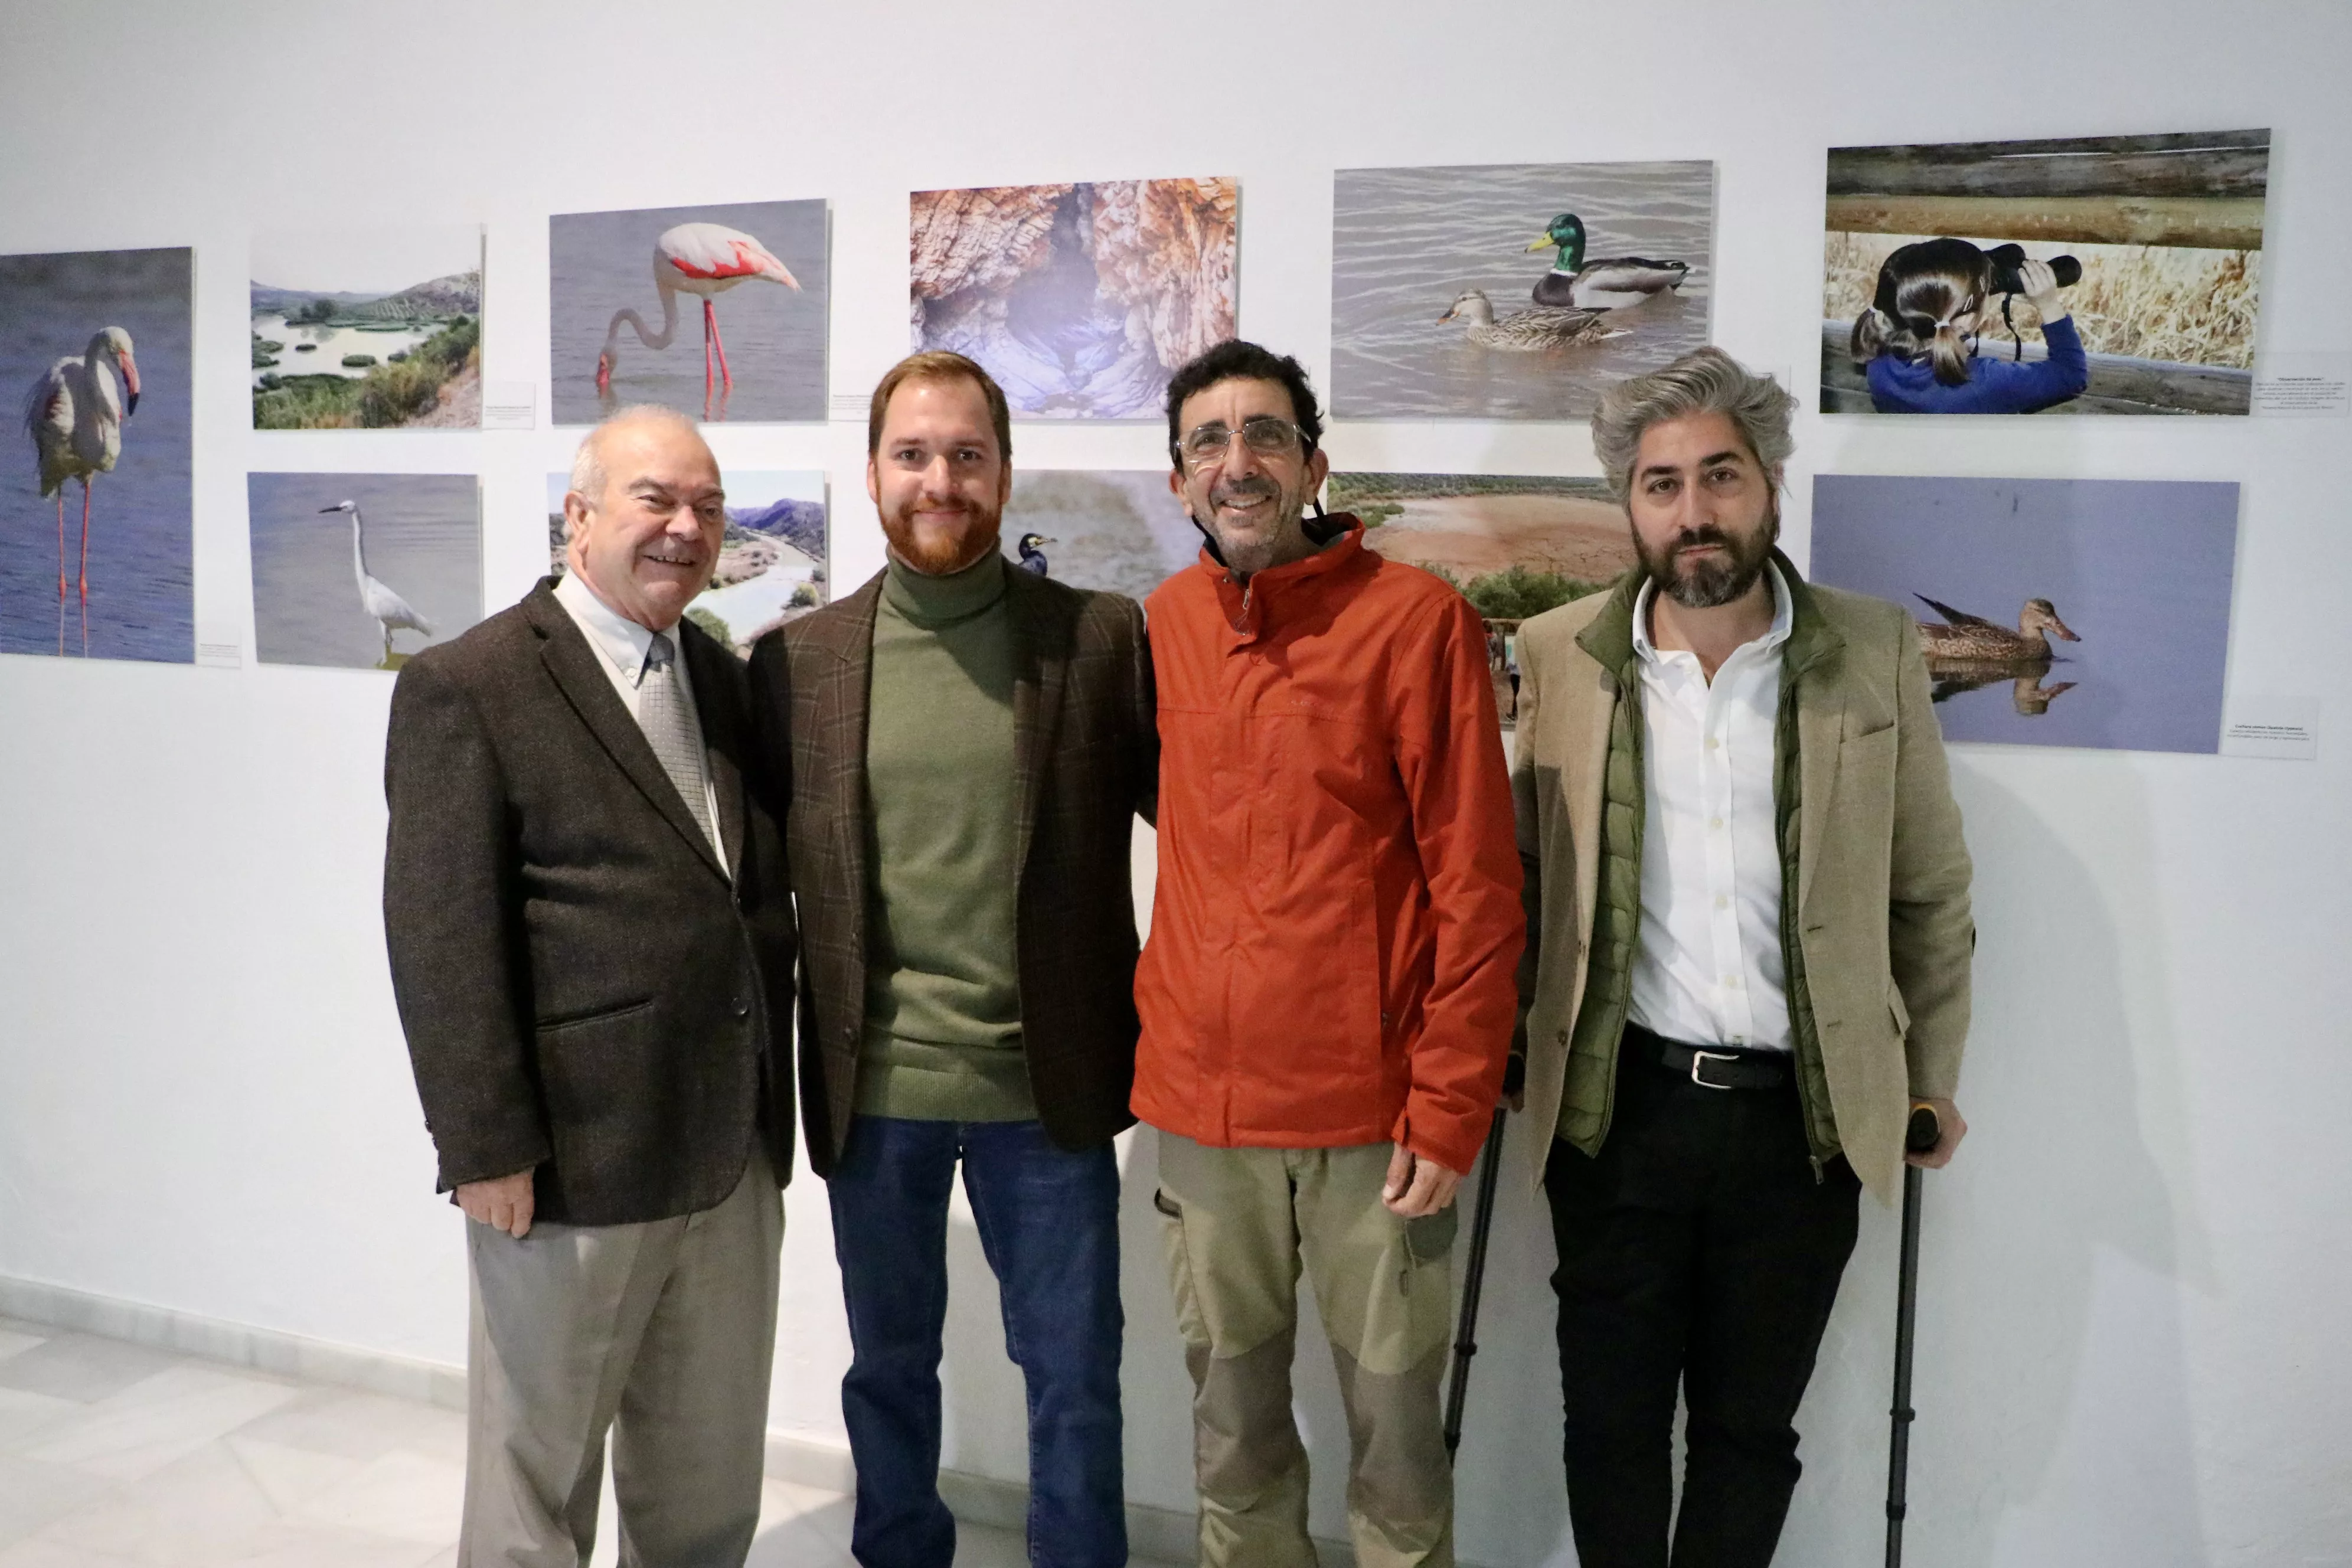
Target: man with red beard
962	749
1747	957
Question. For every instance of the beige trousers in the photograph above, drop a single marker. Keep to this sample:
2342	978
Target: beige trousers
662	1332
1238	1223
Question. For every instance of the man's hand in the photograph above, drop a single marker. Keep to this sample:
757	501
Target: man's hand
1948	1117
502	1203
1417	1187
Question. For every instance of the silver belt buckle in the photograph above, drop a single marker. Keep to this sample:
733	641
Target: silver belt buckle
1698	1056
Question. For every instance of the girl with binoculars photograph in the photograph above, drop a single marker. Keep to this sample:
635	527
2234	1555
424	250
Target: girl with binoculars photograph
1918	339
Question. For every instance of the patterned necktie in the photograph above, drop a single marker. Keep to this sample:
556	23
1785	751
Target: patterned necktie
669	727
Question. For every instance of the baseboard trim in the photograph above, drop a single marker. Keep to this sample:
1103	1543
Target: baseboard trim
1151	1532
271	1350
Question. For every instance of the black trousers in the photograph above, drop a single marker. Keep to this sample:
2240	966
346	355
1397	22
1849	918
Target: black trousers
1697	1249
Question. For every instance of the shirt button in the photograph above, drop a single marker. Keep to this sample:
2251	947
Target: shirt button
1722	901
1712	743
1715	823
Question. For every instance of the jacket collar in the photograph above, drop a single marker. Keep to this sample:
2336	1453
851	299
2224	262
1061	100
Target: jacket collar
1248	606
1609	635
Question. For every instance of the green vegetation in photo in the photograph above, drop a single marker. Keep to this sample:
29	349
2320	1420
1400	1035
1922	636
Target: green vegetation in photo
1372	513
1518	592
357	362
713	624
389	395
804	597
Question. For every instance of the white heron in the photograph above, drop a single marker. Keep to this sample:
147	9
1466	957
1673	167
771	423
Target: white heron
75	416
389	610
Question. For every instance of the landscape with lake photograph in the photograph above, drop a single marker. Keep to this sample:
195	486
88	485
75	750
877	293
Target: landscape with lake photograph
367	330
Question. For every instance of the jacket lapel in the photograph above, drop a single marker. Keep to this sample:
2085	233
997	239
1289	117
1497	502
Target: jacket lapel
724	739
582	679
1038	670
845	688
1812	660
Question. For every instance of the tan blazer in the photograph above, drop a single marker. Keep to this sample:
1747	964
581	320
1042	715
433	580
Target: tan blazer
1883	873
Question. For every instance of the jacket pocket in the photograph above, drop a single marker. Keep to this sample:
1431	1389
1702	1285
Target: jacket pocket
594	1015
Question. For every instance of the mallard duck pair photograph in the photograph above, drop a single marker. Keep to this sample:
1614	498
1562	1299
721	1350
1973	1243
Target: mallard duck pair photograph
2090	613
1438	312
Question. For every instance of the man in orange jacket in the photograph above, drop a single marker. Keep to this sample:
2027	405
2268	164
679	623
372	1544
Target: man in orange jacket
1327	991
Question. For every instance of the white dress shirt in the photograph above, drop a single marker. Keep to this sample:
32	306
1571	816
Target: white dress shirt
621	647
1708	968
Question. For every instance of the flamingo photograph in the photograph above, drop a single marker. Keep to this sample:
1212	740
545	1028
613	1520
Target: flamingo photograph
753	272
362	570
2141	570
96	556
1584	274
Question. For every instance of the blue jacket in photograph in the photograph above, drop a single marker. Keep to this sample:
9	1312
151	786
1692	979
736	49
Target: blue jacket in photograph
1994	386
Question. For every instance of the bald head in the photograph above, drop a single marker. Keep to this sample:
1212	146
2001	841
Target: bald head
646	514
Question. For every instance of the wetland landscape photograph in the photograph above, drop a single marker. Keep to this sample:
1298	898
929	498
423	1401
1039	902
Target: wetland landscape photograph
1517	291
367	329
96	546
772	562
2052	612
1081	299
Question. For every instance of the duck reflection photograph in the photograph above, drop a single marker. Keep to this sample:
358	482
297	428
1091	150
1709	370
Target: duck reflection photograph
1513	291
2090	613
1081	299
364	329
717	311
97	555
2088	275
362	570
772	559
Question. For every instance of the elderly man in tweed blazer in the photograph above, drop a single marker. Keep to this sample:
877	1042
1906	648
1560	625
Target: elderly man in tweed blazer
965	748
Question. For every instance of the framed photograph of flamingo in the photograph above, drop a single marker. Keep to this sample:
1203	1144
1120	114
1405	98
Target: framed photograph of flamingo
1514	291
1081	299
358	329
716	312
95	552
2052	612
773	563
362	571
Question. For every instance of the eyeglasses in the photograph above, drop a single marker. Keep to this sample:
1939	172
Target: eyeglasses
1264	435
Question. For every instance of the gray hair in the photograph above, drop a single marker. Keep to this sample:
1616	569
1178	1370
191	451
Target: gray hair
588	476
1705	381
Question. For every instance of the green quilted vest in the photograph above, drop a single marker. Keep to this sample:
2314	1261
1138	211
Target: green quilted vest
1590	1090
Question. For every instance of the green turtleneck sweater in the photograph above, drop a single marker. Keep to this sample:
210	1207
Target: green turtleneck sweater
942	983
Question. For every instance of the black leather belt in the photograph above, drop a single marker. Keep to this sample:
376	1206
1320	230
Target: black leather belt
1711	1068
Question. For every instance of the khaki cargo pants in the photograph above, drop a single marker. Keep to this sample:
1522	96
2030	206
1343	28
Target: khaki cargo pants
1237	1224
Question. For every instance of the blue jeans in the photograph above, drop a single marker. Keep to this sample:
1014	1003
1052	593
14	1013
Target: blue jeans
1049	1225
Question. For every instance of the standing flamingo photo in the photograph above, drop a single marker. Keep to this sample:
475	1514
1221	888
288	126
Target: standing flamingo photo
701	259
391	611
74	415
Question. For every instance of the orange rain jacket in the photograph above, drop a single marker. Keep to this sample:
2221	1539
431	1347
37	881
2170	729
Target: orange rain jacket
1337	918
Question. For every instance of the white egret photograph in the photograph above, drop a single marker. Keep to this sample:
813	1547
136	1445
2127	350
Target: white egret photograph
362	570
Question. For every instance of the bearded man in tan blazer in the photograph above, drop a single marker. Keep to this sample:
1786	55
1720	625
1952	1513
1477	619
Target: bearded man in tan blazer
1747	955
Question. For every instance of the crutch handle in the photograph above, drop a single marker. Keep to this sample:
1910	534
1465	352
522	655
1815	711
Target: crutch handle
1925	1130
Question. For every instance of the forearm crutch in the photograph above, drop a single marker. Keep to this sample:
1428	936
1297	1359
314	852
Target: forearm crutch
1924	1131
1482	1222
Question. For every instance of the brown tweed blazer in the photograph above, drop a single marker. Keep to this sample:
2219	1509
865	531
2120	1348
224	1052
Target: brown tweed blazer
1086	753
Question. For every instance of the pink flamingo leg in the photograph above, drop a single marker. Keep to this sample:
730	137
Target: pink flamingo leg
61	571
710	330
725	377
85	567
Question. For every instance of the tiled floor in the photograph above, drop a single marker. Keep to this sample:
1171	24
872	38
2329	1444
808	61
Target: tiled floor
113	1455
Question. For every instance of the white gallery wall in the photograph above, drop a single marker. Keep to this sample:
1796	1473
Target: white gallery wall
2133	1341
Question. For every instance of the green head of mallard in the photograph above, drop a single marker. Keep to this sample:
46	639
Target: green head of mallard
1566	233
